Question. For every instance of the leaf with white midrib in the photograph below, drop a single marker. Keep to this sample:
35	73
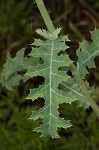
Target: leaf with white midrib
49	50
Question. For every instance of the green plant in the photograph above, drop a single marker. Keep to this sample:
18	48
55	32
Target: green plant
52	63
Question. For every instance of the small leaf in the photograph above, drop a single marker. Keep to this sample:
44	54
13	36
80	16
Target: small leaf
48	35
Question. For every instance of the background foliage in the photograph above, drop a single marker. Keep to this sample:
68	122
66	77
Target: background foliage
18	21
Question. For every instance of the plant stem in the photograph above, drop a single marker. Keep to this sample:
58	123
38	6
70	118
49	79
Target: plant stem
45	15
84	89
73	68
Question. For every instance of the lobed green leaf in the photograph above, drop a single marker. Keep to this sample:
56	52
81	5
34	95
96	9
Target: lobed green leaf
49	50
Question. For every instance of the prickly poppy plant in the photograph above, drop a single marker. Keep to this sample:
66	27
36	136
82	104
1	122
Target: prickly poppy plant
58	87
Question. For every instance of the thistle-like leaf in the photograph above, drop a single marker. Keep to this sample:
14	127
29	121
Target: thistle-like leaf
9	75
87	52
49	51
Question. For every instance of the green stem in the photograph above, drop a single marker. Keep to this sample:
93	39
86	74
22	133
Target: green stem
80	82
84	89
45	15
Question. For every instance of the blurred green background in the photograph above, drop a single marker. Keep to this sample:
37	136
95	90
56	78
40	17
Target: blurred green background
18	21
